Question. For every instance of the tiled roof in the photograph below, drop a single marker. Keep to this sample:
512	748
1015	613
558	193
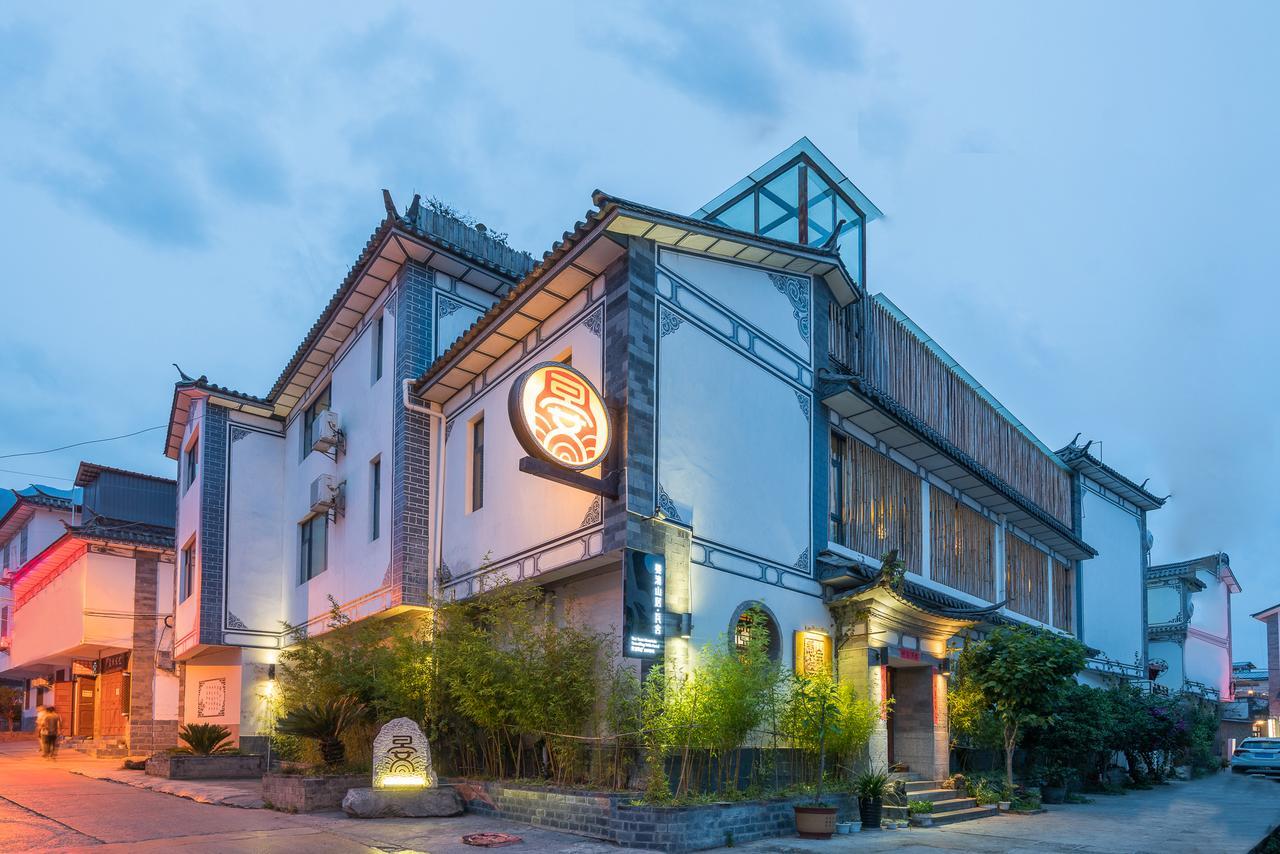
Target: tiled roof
102	529
915	594
1079	458
88	472
34	496
606	205
417	221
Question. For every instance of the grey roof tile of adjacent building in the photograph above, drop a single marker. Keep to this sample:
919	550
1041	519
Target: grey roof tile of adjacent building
1078	458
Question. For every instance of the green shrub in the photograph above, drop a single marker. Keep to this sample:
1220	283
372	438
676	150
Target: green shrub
205	739
326	722
920	807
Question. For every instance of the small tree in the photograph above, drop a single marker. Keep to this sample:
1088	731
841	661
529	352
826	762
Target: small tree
812	718
1020	672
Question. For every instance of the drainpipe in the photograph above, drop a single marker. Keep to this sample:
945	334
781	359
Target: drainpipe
435	477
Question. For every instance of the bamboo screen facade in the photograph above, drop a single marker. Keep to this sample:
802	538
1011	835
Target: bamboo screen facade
1064	597
1026	578
900	365
875	502
962	546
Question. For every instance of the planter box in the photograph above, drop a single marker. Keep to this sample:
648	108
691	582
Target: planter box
613	817
295	793
178	766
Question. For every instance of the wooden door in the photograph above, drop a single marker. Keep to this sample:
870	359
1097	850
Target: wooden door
112	700
86	696
62	700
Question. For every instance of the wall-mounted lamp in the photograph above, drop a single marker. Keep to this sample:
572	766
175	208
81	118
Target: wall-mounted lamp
685	628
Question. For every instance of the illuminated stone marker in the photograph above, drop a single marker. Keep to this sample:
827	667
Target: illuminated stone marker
404	783
402	757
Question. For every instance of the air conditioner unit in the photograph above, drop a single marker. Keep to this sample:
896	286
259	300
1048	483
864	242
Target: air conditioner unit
326	494
327	433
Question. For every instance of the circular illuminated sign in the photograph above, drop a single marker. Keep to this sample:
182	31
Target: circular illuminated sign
559	416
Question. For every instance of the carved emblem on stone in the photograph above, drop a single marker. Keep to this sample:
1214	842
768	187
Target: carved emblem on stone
401	756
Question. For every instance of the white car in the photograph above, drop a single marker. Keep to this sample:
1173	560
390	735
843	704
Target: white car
1261	755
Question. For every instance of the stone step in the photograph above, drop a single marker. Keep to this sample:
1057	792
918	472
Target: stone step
935	794
953	816
939	807
919	785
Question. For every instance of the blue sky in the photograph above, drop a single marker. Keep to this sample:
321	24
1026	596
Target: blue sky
1080	201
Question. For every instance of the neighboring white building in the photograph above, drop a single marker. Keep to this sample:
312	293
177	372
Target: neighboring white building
311	496
1112	517
1189	625
32	519
92	607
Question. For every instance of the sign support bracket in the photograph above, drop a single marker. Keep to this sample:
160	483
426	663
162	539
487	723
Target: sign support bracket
606	486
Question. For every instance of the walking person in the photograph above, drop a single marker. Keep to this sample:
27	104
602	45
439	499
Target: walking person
40	713
49	730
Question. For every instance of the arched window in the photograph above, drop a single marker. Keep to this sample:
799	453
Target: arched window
749	618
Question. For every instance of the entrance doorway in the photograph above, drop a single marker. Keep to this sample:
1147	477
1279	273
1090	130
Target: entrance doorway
910	724
113	704
86	694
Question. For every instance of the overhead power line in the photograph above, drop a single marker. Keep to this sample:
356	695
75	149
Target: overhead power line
79	444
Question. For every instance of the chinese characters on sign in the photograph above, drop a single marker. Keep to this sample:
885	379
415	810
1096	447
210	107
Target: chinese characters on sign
644	586
813	652
558	416
402	757
211	698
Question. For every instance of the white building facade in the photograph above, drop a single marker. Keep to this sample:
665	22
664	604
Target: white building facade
1111	515
310	497
730	420
1189	625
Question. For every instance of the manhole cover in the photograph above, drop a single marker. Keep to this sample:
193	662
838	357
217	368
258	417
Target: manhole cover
491	840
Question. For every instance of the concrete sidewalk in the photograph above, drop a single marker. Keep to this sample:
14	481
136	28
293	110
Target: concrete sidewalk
1222	814
72	805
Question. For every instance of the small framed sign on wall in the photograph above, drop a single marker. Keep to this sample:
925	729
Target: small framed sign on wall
211	698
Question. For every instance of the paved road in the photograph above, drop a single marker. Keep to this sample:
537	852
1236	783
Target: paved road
1223	814
45	807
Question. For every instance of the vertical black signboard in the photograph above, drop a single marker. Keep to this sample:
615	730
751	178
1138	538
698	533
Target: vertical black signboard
643	591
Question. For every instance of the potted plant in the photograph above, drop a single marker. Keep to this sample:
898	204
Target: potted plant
816	697
921	813
870	786
1054	788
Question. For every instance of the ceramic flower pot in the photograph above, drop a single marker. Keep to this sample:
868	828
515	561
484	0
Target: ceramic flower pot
815	822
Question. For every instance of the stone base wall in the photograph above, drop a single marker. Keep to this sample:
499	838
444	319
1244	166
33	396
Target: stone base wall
290	793
613	817
177	766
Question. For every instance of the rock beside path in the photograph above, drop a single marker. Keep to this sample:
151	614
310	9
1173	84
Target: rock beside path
433	802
